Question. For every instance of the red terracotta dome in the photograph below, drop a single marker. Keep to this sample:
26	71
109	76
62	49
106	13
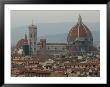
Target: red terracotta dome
22	42
79	30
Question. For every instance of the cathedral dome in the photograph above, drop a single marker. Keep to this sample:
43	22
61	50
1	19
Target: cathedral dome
22	42
79	31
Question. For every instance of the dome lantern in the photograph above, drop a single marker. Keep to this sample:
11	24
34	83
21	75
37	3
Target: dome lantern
79	19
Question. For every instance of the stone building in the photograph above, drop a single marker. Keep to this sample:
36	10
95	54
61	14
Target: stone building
33	39
55	49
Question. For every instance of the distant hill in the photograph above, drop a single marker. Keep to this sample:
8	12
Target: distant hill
63	37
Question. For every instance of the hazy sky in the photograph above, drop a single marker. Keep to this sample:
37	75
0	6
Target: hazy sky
21	18
50	22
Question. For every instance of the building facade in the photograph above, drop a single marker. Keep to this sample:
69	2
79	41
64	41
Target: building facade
52	48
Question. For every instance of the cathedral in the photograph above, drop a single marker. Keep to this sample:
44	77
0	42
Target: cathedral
79	42
80	39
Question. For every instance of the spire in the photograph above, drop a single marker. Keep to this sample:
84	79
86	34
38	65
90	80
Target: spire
79	19
25	36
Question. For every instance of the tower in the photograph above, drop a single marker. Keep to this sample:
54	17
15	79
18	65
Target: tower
43	43
43	46
26	46
33	39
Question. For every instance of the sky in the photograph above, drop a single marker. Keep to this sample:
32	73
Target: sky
50	22
21	18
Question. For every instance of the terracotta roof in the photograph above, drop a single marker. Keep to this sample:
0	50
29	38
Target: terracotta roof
79	30
20	43
92	48
38	71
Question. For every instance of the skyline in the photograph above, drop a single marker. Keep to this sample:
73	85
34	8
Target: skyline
51	23
56	47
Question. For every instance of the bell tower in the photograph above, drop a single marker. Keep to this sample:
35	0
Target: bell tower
33	39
